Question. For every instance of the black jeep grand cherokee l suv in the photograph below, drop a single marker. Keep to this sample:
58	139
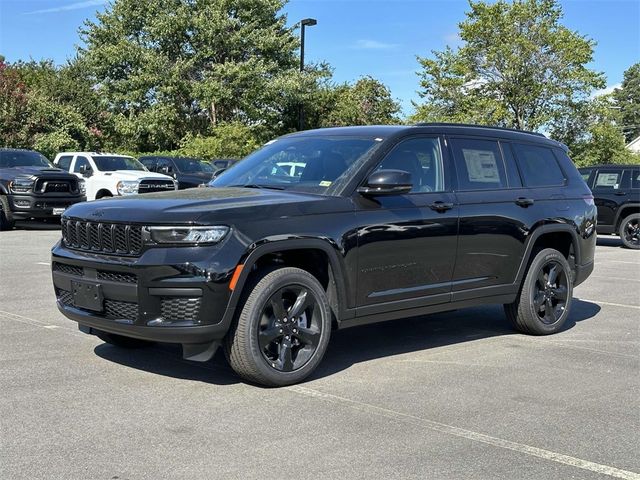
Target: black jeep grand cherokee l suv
31	187
383	223
616	189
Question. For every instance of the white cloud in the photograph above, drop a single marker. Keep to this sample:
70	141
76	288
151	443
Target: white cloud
374	45
70	6
606	90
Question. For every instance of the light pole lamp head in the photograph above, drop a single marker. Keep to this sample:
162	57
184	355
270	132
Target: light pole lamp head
309	22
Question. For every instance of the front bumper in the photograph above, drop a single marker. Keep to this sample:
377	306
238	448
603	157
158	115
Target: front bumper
162	296
24	206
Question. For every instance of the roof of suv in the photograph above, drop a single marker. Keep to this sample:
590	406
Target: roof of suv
94	154
446	128
615	165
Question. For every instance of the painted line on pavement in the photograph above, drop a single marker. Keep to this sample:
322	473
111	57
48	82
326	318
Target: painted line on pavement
469	434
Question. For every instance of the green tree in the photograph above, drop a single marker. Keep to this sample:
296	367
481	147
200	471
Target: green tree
366	102
169	68
595	135
627	99
518	67
14	105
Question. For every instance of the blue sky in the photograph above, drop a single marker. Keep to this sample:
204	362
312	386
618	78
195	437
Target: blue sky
357	37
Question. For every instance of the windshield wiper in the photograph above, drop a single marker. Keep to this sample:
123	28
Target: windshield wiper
255	185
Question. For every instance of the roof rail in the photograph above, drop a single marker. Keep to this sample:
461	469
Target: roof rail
446	124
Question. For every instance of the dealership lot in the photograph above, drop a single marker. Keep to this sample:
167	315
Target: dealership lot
453	395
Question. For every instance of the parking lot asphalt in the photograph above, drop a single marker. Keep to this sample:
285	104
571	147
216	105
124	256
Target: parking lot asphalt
458	395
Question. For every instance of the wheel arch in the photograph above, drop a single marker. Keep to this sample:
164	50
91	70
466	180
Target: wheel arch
623	212
335	283
551	236
102	191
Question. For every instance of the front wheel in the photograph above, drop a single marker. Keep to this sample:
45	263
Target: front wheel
543	304
6	218
282	331
630	231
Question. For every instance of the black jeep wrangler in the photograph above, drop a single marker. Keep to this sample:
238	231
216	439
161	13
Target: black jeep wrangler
616	189
31	187
383	223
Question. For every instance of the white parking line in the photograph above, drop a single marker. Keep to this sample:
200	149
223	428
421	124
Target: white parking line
599	302
43	263
469	434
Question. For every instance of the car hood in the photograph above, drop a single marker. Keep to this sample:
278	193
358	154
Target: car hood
196	177
206	205
137	175
13	172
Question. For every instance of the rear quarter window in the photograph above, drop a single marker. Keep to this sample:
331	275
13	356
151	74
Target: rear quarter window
538	166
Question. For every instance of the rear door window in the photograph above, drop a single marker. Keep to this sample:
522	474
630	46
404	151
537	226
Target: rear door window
64	162
608	180
479	164
538	166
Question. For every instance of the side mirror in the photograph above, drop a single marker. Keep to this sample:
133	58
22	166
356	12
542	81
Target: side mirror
85	170
387	182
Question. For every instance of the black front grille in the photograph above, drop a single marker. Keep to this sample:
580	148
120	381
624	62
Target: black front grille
113	309
149	186
68	269
109	238
179	309
55	185
119	277
120	310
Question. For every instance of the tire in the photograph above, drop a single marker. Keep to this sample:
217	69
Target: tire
121	341
264	345
103	194
629	231
531	312
6	218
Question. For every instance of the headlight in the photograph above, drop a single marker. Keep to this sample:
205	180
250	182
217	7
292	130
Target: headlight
127	187
187	235
82	187
21	185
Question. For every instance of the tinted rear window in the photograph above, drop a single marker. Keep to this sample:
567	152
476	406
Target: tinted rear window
479	164
538	166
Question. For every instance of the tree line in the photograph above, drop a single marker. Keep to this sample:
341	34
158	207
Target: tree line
217	78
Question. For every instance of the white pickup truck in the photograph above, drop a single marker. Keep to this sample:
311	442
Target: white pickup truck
110	175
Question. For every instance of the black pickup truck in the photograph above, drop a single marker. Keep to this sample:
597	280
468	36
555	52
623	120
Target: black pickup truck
31	187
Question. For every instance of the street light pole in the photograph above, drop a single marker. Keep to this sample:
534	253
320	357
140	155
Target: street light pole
307	22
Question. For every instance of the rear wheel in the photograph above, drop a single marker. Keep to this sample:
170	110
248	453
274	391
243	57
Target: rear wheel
543	304
6	218
283	329
630	231
121	341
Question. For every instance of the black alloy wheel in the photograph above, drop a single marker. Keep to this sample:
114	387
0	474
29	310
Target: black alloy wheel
543	304
290	328
550	292
630	231
282	330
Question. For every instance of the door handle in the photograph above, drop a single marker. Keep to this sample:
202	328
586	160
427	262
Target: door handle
440	206
524	202
620	194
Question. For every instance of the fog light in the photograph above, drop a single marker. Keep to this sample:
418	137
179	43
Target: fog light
22	203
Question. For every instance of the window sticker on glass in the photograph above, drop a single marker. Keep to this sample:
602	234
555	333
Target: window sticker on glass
481	165
607	180
325	183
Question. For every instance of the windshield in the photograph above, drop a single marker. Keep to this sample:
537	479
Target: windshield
308	164
111	164
23	158
189	165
